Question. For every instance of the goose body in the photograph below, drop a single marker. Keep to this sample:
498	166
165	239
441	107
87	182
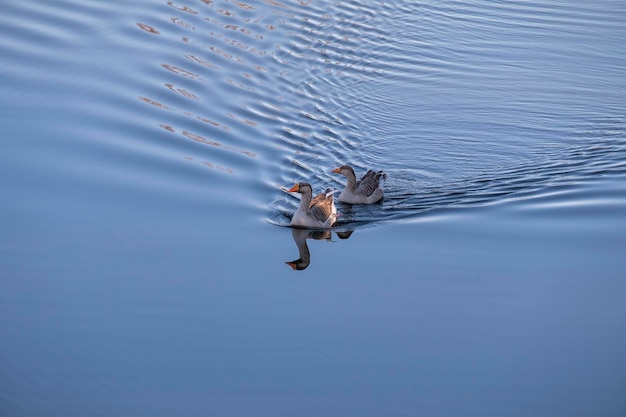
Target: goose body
318	212
364	191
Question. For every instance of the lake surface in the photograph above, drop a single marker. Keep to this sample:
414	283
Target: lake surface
146	152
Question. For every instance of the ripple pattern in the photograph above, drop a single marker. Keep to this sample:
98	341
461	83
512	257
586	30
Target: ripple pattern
461	103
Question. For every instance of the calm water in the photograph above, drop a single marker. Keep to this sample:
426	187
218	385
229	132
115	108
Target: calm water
146	152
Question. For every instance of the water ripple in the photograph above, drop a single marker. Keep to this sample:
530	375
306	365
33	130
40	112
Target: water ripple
462	104
406	102
407	196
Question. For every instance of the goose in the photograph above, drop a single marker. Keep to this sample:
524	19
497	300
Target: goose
319	212
364	191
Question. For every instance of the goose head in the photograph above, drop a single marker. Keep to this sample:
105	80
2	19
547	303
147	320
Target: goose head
345	170
302	188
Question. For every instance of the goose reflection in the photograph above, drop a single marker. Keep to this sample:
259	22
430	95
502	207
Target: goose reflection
300	236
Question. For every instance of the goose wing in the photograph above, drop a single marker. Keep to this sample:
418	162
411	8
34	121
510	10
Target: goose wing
317	199
369	183
321	207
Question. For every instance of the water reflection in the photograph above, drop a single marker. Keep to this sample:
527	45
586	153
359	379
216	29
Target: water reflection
301	235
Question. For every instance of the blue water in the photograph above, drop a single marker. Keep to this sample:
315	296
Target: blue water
146	152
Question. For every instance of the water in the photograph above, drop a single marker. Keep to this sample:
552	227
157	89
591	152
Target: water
146	151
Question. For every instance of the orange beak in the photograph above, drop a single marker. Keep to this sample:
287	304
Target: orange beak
295	188
336	170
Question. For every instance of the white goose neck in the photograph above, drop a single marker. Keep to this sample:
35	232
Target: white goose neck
351	179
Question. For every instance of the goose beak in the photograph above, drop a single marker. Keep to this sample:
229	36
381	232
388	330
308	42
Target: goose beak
293	265
336	170
295	188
